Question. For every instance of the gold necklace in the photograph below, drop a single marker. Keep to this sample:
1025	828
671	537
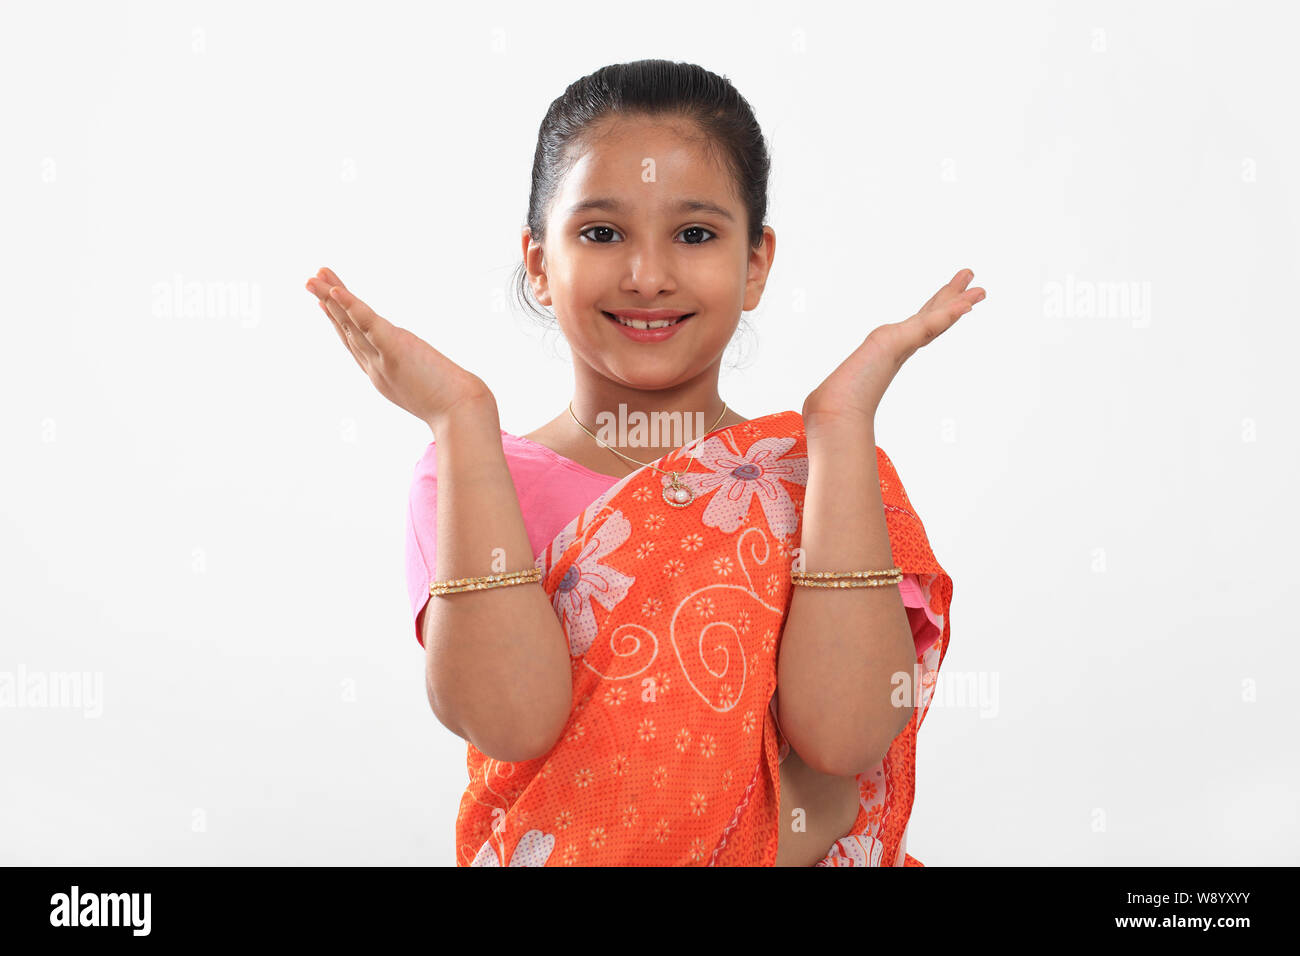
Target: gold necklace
675	493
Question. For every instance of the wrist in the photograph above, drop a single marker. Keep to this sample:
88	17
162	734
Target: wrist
475	412
838	426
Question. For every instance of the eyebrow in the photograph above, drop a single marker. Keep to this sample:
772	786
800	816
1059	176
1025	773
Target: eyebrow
686	205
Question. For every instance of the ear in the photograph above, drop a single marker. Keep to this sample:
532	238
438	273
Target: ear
535	265
760	263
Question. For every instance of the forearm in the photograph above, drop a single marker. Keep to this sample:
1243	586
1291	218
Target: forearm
841	646
497	659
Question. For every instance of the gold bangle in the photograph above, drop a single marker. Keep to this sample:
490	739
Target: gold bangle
846	579
848	583
504	579
889	573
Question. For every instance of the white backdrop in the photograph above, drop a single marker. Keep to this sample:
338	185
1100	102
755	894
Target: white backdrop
205	499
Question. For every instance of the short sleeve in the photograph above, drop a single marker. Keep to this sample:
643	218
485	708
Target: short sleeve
926	625
422	534
927	631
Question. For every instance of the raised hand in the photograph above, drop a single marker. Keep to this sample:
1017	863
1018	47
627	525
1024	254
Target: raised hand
405	369
855	388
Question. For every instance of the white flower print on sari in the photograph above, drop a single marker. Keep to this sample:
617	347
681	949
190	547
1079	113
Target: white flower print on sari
588	579
737	478
533	849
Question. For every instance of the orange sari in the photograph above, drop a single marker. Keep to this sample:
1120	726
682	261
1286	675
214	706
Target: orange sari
673	617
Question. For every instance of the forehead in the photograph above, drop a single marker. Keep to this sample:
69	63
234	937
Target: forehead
646	159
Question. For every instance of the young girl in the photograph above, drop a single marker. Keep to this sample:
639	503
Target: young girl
607	617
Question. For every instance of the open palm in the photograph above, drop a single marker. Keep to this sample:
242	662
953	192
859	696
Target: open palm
406	370
855	388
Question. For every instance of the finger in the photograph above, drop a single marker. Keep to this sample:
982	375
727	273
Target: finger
360	314
342	337
337	316
924	327
349	333
319	288
328	275
357	319
356	340
954	287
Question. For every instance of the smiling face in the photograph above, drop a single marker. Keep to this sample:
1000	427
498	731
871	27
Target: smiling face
648	218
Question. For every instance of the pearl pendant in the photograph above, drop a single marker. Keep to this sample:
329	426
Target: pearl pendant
677	494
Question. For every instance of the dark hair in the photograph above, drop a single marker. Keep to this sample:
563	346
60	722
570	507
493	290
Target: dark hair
647	88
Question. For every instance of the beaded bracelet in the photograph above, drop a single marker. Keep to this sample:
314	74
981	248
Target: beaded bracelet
846	579
505	579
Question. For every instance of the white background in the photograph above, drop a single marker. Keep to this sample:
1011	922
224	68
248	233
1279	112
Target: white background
207	509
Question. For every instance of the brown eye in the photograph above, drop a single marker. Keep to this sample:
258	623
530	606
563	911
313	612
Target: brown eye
593	229
698	229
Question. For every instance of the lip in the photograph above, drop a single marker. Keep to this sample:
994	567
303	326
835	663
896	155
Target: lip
648	315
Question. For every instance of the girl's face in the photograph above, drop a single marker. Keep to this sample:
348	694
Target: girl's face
622	233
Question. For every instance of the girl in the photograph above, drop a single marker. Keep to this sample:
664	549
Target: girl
609	617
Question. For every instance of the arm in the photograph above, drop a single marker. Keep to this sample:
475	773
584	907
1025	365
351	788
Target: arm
841	646
497	662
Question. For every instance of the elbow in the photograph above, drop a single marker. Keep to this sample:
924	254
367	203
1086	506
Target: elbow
512	751
845	766
520	747
513	727
505	747
816	753
513	742
536	739
865	757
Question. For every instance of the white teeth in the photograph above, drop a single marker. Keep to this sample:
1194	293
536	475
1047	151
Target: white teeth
657	324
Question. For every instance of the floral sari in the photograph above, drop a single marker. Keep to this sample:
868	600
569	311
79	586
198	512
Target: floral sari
673	616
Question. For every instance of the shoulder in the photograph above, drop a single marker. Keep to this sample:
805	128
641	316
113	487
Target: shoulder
524	459
428	460
427	464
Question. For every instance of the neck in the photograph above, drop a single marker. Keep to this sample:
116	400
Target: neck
646	424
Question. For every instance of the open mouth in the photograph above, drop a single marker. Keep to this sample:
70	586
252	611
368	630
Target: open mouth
638	324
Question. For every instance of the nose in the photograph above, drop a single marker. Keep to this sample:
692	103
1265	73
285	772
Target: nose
649	272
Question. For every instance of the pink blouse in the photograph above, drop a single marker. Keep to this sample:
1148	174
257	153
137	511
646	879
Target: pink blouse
552	489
